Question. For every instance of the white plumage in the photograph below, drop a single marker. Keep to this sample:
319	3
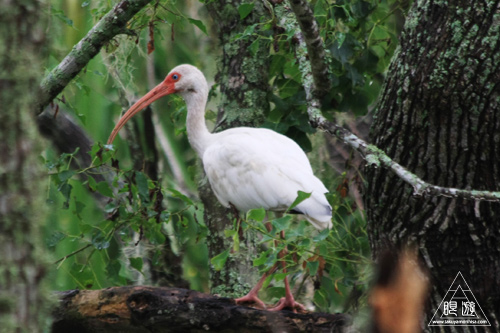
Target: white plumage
254	168
246	167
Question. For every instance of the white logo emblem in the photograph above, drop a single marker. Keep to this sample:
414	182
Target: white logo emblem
459	307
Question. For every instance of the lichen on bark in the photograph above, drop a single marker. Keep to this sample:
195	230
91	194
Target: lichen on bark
438	117
243	80
23	302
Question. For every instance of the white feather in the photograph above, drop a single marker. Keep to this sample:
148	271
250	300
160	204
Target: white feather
254	168
247	167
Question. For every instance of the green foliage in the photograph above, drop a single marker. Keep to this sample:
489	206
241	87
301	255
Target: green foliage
111	222
335	261
134	206
245	9
360	38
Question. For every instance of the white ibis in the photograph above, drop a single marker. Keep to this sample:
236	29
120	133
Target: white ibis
247	168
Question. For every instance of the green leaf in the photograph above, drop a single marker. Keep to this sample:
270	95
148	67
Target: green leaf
79	206
113	268
219	260
301	196
82	117
254	47
110	207
282	223
65	190
54	238
65	175
245	9
142	186
320	298
306	242
323	249
312	266
84	228
92	183
256	214
155	236
297	230
261	260
236	242
177	194
61	16
99	240
279	276
322	235
199	24
136	263
275	292
82	275
104	189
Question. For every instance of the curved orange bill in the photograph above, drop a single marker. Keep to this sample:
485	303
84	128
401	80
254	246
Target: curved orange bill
157	92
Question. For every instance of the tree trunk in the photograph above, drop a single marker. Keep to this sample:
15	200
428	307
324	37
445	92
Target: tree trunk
149	309
243	79
439	117
23	306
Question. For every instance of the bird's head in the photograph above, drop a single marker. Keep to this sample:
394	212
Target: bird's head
185	80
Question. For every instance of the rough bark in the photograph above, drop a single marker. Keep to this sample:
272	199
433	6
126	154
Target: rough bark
439	117
243	80
148	309
315	47
23	304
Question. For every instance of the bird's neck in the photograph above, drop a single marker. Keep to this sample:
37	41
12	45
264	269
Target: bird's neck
197	131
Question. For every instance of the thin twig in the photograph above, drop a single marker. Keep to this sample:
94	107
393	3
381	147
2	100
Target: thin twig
73	253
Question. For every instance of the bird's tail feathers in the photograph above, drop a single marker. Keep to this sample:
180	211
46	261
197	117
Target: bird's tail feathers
317	211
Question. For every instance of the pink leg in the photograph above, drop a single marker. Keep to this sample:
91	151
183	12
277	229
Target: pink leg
252	296
288	301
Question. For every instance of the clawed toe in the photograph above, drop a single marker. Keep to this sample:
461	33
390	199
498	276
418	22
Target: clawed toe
251	299
287	303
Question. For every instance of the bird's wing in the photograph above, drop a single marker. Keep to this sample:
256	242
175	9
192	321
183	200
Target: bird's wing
253	168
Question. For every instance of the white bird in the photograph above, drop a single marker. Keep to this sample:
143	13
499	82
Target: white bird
247	167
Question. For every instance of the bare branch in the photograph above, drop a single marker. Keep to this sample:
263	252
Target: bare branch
112	24
376	156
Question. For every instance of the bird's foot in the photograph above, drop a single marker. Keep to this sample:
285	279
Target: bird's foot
252	299
288	303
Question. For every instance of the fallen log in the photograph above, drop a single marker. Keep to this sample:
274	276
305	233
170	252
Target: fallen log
161	309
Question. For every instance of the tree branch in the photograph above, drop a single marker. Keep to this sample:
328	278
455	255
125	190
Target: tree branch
160	309
314	44
371	153
112	24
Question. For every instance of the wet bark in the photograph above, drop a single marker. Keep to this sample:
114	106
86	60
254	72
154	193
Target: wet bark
439	116
148	309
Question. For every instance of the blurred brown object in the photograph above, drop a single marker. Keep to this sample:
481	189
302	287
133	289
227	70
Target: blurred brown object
398	297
